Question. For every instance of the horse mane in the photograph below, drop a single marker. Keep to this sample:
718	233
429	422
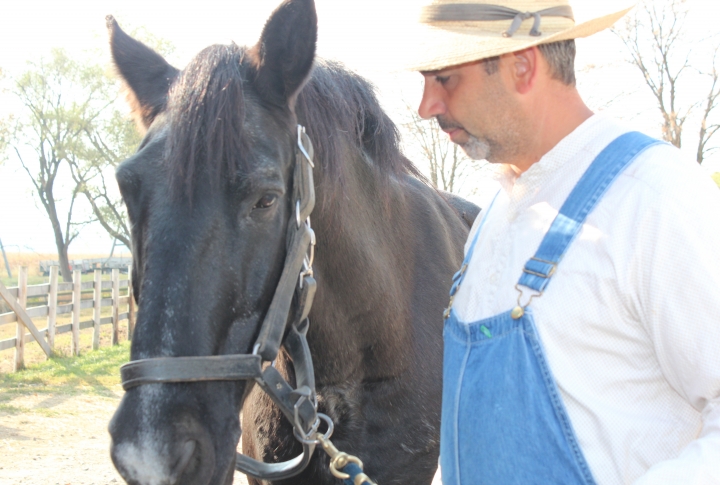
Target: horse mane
207	109
340	109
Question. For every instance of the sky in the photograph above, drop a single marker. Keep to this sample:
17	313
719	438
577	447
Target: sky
366	35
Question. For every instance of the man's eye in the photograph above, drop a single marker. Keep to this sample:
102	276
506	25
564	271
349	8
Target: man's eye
266	201
442	79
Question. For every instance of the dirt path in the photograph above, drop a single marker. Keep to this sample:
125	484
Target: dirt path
59	439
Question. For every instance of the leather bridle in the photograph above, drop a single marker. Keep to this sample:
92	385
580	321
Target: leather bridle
299	405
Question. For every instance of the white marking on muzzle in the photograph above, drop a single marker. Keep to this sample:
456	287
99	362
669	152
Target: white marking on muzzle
143	463
146	459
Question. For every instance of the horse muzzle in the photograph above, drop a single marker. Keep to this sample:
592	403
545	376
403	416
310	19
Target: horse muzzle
163	436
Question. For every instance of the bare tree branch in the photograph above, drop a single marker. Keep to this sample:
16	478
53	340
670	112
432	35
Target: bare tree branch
447	165
711	103
656	39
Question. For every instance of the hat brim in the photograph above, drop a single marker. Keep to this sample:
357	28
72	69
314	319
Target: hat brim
438	48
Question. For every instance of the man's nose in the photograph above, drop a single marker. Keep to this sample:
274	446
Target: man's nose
431	104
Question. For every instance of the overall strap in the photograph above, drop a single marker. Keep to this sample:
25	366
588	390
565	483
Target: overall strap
582	200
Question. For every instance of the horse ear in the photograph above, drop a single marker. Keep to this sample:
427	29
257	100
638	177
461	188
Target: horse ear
146	74
284	54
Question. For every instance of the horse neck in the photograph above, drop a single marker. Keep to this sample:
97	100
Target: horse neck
362	271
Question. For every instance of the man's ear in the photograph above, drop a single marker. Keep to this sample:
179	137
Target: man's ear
144	72
524	66
285	52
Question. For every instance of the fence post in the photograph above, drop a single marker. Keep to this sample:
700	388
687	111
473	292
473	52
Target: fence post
97	299
131	305
77	295
52	306
115	305
20	331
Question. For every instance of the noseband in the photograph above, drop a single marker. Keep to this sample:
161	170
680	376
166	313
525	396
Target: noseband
299	405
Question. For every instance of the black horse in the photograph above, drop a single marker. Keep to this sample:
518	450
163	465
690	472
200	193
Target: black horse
208	194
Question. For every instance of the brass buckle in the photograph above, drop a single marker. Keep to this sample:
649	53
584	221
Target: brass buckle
553	267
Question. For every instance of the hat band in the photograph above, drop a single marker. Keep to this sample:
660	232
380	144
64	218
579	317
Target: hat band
470	12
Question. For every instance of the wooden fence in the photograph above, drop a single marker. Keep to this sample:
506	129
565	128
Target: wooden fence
123	308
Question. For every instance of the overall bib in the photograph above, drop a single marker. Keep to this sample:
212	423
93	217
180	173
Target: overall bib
503	419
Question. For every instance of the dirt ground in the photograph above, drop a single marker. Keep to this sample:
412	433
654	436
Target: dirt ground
59	440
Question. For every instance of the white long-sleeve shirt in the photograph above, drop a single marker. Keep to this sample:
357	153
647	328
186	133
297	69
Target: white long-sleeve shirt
630	321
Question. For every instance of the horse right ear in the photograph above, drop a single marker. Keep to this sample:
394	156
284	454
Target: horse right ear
146	74
285	52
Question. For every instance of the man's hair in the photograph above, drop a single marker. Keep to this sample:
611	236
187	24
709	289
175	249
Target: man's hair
560	56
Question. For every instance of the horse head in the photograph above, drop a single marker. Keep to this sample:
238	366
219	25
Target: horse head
209	197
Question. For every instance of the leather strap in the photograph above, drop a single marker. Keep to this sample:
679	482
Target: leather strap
276	320
286	399
190	369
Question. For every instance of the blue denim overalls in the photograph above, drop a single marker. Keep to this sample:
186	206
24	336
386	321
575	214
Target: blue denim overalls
503	419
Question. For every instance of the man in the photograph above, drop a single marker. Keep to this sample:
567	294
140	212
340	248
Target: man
582	343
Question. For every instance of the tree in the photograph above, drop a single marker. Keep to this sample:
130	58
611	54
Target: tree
112	138
63	100
655	35
447	165
71	136
109	141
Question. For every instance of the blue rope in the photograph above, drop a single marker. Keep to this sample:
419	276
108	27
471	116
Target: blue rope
353	470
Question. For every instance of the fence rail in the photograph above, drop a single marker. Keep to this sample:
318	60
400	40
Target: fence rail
122	305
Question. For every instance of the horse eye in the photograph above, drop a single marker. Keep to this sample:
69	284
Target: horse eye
266	201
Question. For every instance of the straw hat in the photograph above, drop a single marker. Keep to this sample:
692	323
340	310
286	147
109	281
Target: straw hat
453	32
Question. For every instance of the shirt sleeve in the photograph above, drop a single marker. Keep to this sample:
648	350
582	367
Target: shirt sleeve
677	265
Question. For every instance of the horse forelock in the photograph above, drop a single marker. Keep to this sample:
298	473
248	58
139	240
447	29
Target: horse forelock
207	109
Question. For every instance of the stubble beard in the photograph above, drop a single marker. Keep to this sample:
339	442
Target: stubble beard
474	147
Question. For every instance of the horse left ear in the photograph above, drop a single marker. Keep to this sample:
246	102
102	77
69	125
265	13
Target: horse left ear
284	54
145	73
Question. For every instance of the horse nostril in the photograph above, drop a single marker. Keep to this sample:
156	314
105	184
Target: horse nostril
188	450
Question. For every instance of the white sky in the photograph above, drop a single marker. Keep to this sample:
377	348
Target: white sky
363	34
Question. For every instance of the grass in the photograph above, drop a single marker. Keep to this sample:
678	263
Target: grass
34	354
95	373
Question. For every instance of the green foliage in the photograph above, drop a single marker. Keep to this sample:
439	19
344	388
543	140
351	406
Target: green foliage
97	372
72	133
63	101
73	129
716	178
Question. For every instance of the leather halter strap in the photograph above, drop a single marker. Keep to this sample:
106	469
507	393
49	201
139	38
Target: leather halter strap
190	369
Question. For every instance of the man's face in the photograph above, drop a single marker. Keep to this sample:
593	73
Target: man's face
475	109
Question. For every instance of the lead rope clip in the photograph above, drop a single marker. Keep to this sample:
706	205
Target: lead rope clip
340	459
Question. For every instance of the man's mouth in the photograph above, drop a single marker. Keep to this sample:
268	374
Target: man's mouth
453	132
452	129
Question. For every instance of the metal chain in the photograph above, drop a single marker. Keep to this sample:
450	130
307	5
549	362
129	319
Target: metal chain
310	257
